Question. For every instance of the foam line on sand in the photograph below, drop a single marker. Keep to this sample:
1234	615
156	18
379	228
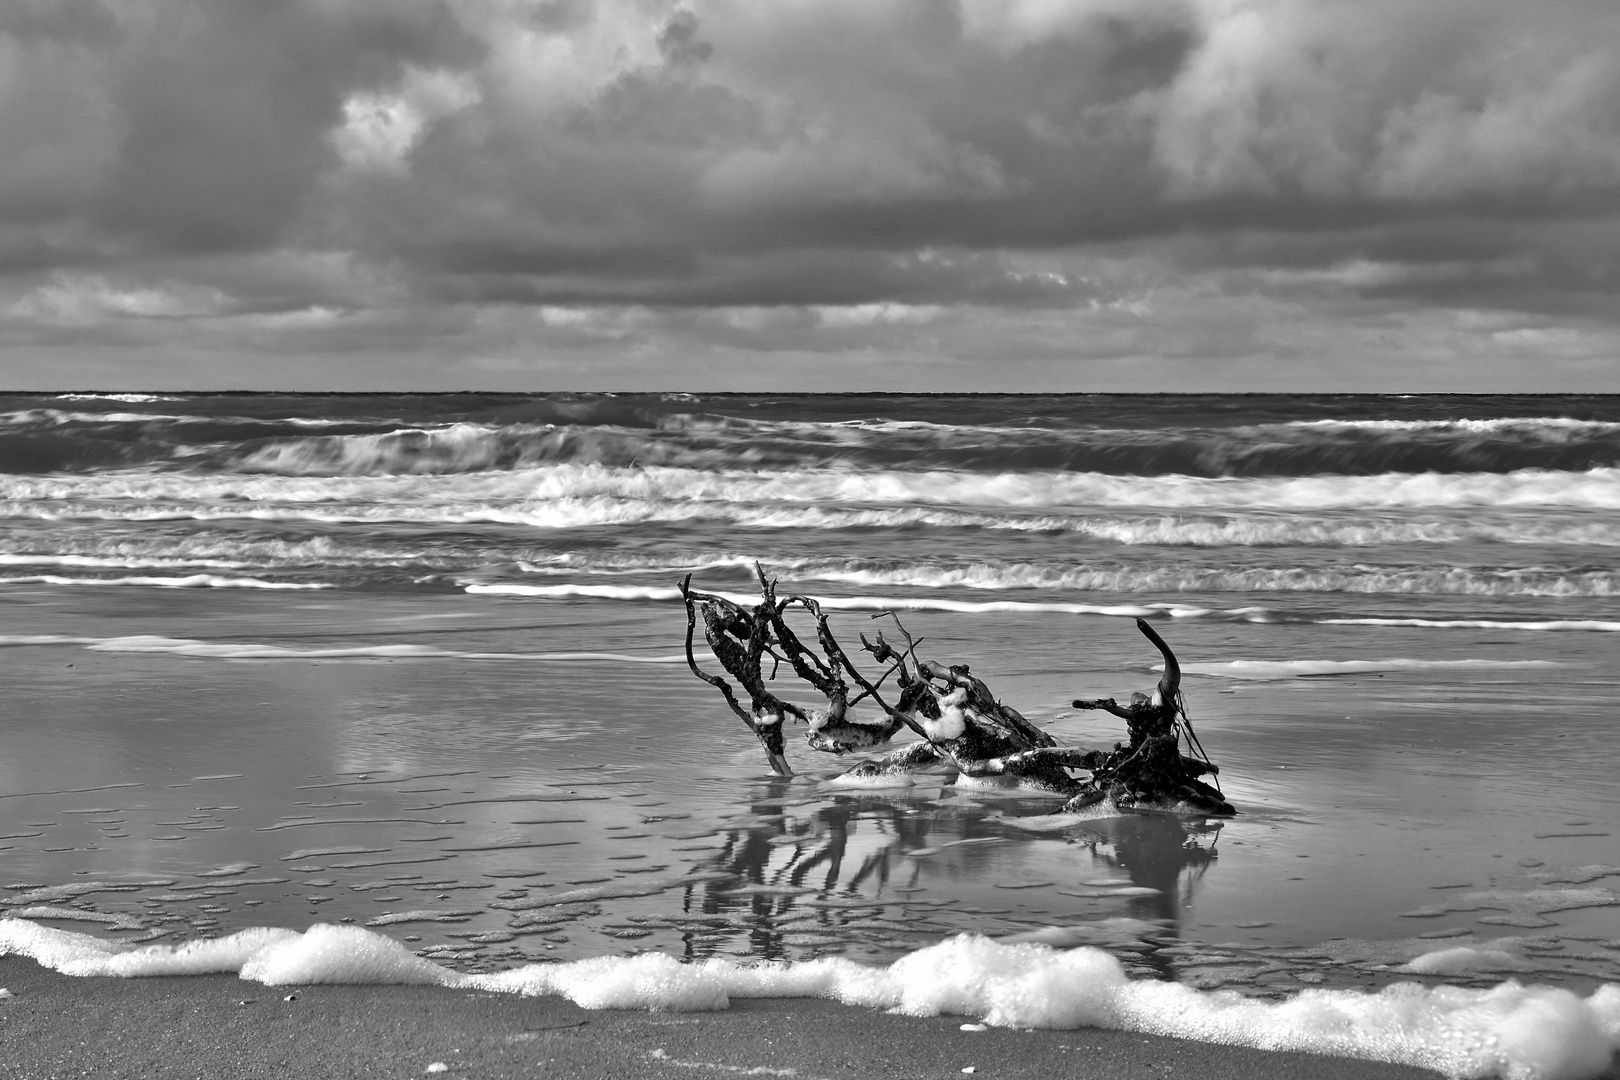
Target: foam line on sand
1510	1031
218	1025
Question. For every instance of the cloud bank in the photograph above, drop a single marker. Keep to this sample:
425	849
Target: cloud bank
1244	192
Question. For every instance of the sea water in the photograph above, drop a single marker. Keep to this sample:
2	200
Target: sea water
391	688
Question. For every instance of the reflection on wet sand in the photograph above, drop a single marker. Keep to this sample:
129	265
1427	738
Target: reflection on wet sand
881	873
1164	858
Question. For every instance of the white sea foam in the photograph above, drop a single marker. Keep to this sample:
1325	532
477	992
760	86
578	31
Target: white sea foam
43	416
876	782
985	577
1448	580
190	581
1184	527
1599	625
834	603
151	643
1461	960
60	417
924	603
455	448
1558	427
1510	1031
115	563
1261	670
146	643
45	639
952	717
118	397
578	494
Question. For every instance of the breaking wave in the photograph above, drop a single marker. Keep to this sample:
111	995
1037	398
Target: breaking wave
189	581
427	562
405	435
576	495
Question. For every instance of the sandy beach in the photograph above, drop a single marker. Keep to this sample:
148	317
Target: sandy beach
57	1026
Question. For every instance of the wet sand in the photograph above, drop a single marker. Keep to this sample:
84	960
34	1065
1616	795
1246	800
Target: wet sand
493	813
57	1026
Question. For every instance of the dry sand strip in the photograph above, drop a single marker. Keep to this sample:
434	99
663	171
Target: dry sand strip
55	1026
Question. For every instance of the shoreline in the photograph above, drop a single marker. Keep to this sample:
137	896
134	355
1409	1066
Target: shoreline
186	1026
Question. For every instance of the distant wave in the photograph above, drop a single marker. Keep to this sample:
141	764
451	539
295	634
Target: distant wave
1251	614
583	494
50	417
1454	581
240	651
125	563
15	640
1267	670
1280	450
409	567
1207	527
316	437
118	397
59	417
829	603
1547	427
1485	624
458	448
1096	575
216	650
190	581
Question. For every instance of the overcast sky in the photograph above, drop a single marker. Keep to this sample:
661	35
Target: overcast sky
810	194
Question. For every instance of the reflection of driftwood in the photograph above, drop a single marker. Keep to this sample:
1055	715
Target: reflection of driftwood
960	722
785	851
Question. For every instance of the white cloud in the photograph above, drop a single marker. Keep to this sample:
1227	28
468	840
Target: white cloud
89	300
850	315
380	129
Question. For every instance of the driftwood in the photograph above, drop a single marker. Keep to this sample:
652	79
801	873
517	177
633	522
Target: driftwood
957	718
1152	767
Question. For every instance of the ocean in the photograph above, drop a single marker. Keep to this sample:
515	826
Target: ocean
391	688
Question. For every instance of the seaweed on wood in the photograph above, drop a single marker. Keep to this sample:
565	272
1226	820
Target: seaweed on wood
959	722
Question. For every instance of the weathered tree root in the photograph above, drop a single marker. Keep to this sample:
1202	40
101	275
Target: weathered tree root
1152	768
741	637
960	722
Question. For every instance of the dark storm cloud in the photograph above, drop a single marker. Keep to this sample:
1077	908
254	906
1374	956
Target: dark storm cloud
673	277
197	160
192	126
658	143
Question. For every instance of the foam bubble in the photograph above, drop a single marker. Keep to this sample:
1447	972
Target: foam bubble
648	981
1461	959
952	717
342	954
